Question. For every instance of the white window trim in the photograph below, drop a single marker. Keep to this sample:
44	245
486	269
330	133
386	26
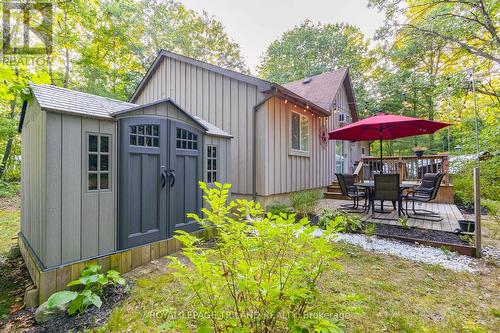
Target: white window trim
216	146
298	152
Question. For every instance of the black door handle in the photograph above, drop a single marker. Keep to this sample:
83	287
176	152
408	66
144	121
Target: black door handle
171	175
163	178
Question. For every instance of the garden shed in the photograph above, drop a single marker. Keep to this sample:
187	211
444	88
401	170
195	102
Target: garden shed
102	176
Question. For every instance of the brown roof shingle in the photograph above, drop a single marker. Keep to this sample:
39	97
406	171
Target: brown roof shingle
319	89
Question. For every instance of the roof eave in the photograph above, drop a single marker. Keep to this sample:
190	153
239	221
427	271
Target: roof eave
301	100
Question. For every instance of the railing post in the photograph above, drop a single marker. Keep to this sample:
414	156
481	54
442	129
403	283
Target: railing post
446	168
401	168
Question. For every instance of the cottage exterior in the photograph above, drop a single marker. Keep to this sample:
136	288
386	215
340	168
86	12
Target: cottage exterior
111	181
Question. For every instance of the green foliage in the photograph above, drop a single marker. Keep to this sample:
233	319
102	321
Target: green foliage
8	189
91	283
467	239
275	208
463	182
370	229
263	272
404	222
305	202
339	220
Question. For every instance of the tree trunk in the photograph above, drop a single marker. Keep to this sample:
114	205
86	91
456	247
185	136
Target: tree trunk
8	148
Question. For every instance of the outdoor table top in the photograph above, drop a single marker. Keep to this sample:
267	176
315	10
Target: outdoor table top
371	183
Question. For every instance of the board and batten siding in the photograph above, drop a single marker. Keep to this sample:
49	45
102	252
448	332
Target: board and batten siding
33	185
219	99
71	223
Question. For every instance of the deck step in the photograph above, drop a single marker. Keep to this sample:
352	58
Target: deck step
335	195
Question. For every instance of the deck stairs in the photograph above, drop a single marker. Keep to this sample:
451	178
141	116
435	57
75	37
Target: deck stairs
333	192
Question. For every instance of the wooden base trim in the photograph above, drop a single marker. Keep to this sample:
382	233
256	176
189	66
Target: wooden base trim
48	281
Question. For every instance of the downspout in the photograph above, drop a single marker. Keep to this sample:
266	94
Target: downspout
254	142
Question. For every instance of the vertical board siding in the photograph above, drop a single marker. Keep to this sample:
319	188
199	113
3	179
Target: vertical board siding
219	99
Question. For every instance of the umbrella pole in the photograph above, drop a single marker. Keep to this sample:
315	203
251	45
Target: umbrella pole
380	131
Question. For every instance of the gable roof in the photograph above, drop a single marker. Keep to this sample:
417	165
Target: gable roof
263	85
59	99
321	89
52	98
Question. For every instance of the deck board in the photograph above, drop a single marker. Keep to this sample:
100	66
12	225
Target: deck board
449	212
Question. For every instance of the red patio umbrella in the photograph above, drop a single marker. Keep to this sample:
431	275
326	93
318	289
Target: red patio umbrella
385	127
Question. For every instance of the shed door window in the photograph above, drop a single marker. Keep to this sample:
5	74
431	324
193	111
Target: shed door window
300	132
211	164
186	140
145	135
99	163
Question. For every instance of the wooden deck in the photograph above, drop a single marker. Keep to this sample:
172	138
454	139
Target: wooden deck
449	212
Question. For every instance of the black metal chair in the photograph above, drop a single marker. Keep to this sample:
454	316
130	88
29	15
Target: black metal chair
386	189
347	187
425	192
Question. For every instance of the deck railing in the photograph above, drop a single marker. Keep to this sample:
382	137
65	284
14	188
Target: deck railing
411	168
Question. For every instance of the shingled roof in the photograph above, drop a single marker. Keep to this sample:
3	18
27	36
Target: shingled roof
59	99
52	98
319	89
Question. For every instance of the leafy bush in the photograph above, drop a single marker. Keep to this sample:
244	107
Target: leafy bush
463	183
91	283
305	202
276	208
262	274
341	221
8	189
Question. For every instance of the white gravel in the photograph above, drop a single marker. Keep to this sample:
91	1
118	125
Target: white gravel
419	253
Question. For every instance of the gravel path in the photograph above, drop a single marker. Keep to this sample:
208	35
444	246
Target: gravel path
419	253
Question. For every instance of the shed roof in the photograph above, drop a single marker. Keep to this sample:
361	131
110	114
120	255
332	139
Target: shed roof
52	98
59	99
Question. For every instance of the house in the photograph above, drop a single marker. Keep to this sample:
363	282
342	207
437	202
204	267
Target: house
110	181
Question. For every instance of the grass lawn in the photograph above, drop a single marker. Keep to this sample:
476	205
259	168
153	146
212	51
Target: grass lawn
399	296
9	227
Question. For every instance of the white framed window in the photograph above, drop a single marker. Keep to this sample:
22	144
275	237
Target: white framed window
186	139
211	163
98	162
299	132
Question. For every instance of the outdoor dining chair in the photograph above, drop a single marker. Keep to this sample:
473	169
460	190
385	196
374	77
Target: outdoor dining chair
348	189
425	192
386	189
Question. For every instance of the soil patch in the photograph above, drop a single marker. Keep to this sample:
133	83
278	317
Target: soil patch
14	279
10	203
25	319
417	233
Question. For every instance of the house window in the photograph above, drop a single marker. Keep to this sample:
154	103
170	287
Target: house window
211	164
99	163
300	132
145	135
186	139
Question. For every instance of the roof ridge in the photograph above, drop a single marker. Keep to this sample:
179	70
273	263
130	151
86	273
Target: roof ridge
51	86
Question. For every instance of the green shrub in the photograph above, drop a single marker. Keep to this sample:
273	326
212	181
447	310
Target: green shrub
305	202
261	276
463	183
341	221
8	189
91	284
276	208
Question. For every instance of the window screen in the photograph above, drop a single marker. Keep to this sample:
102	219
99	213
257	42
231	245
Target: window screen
300	132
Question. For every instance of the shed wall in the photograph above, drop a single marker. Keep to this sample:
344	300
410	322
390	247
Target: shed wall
80	223
221	100
223	158
33	184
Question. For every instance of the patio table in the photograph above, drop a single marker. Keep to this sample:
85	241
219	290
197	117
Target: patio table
369	185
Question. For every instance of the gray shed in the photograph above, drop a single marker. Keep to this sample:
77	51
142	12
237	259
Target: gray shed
100	176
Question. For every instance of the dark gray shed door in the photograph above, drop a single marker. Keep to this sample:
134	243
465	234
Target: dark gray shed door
160	165
143	190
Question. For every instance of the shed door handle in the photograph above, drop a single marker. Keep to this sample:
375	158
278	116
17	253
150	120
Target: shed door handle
171	174
163	178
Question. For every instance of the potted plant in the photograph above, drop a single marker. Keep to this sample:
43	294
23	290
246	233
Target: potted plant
419	151
467	226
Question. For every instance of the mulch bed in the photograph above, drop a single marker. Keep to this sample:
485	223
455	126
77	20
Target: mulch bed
24	320
417	233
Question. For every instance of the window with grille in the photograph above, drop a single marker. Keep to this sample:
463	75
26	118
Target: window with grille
211	164
145	135
186	139
99	162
